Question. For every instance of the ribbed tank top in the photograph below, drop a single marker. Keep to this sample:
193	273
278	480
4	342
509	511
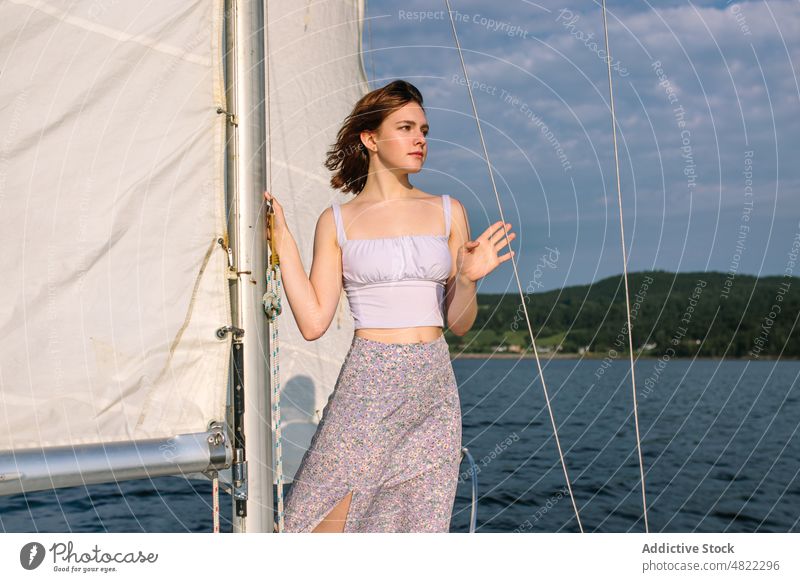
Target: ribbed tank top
396	281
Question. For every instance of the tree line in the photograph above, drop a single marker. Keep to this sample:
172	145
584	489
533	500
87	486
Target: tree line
706	314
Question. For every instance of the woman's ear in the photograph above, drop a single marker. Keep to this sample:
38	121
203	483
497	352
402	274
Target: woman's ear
369	140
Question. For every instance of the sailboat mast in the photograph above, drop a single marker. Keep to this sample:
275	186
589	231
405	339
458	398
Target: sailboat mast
245	89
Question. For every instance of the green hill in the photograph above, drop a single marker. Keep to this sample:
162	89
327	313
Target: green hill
677	314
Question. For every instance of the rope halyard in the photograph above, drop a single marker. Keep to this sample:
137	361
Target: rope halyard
272	296
625	267
514	264
215	500
273	308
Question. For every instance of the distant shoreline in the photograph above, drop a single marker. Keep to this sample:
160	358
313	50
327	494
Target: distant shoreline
676	315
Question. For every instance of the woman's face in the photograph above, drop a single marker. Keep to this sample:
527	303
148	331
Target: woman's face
400	140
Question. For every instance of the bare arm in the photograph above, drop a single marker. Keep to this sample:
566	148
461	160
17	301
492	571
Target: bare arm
460	300
313	299
473	260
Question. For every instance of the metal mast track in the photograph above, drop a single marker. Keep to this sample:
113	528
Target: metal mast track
246	171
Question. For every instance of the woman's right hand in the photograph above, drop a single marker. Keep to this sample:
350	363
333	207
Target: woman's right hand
279	222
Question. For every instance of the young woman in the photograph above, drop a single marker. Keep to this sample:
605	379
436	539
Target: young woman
386	454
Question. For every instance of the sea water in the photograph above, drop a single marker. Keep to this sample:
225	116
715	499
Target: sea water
719	439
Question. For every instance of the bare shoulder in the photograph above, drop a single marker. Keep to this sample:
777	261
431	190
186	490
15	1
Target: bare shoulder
326	227
326	218
458	211
460	224
427	197
455	204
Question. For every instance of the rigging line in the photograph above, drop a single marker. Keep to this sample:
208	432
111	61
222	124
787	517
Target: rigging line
369	42
273	291
514	264
625	267
267	63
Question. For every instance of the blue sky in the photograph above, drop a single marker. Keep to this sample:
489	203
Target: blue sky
707	99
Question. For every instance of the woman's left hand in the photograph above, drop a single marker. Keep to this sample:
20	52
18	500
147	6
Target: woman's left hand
478	258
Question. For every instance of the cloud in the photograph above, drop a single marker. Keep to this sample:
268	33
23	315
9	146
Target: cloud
726	76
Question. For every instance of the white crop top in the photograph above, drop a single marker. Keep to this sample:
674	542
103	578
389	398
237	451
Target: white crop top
396	281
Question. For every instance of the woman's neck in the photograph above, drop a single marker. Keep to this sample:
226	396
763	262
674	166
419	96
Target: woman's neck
384	185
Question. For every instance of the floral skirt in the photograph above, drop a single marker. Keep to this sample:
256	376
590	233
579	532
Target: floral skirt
390	433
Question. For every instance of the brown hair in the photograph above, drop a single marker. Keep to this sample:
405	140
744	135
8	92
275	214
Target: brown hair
348	157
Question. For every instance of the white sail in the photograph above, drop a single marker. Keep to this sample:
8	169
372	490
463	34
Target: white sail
315	76
111	213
